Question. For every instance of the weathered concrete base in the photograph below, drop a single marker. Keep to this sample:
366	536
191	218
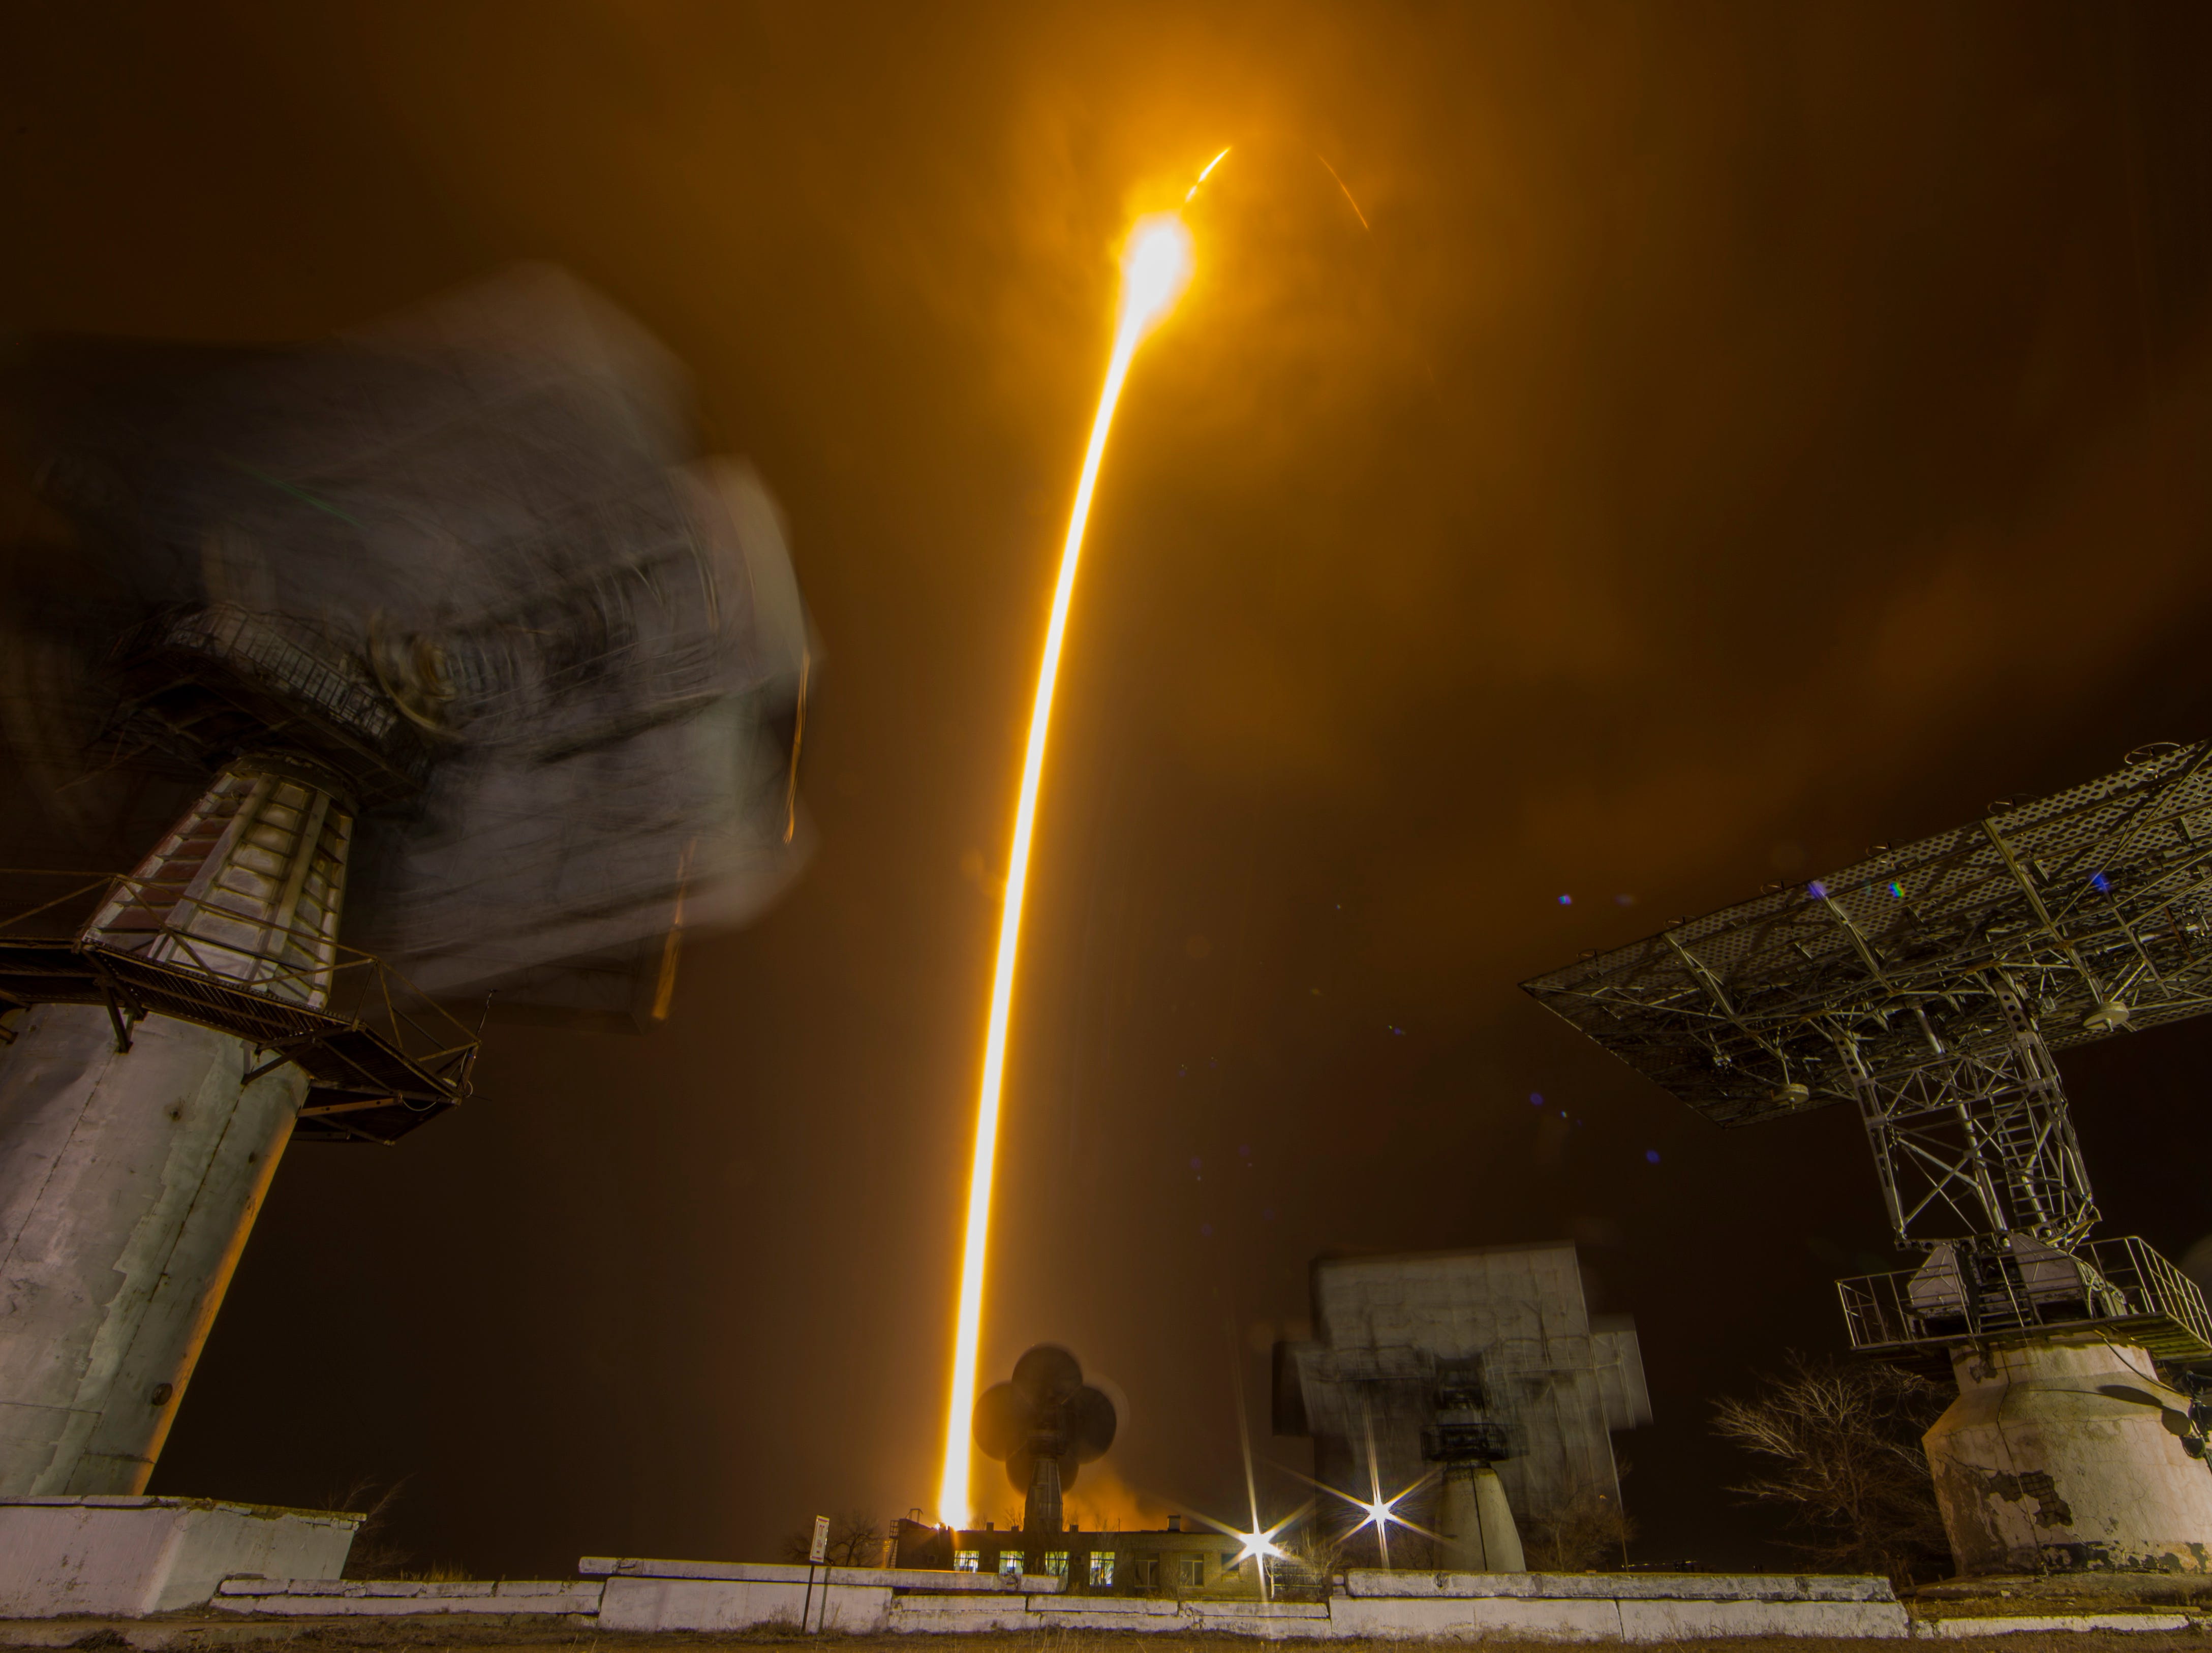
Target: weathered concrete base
2065	1455
130	1182
128	1556
1476	1522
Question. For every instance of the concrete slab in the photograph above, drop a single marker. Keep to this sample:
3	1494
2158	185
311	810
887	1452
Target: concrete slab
660	1604
641	1596
1691	1619
901	1578
1624	1586
947	1615
1963	1628
393	1598
128	1556
1117	1612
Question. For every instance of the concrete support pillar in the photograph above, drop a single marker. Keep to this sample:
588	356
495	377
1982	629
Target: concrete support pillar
1041	1509
1476	1523
128	1184
2065	1455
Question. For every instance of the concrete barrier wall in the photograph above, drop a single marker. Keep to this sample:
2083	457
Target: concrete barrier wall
755	1572
1615	1586
128	1556
648	1596
391	1598
1565	1607
743	1604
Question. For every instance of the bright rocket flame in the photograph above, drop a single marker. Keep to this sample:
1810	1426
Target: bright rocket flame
1155	269
1207	173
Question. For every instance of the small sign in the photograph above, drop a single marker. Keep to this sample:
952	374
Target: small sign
820	1552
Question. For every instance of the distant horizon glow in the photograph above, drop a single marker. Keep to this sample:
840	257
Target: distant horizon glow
1156	265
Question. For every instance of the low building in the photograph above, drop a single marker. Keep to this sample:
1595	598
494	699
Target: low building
1179	1560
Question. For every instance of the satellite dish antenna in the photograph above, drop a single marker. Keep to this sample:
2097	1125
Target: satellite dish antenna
1044	1425
423	664
1932	986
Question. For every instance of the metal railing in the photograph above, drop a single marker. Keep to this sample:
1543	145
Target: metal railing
164	969
2121	1287
288	655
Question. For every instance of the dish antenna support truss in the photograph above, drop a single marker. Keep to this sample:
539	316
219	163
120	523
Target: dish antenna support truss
1932	986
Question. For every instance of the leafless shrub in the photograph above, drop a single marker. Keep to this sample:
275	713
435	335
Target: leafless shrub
1317	1548
1589	1531
1842	1443
376	1553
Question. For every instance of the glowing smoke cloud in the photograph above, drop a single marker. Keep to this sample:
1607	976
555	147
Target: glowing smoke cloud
1155	268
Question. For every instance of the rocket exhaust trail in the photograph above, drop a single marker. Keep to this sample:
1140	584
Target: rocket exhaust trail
1155	268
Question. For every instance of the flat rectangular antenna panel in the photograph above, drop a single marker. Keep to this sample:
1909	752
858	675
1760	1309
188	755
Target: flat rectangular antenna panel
2073	914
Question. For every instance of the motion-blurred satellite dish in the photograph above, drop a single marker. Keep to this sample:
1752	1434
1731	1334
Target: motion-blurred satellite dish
559	661
367	680
1044	1425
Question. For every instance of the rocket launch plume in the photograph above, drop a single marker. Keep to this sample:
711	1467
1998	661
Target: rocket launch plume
1155	268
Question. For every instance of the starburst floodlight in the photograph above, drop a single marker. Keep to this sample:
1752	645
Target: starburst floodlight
1260	1545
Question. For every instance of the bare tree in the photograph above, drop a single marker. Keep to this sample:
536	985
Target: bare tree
855	1540
1842	1443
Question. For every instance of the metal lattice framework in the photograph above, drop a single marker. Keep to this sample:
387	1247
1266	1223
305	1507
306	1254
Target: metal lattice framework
1930	985
381	1058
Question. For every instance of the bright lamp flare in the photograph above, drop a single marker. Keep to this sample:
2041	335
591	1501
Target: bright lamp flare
1155	269
1381	1514
1261	1544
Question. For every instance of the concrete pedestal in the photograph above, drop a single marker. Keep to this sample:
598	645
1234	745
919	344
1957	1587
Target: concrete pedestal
1476	1523
2065	1455
128	1556
128	1184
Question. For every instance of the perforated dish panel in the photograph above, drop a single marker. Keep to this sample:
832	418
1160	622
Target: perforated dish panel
2081	913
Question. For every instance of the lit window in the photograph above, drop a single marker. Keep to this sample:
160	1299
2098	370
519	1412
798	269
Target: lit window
967	1560
1194	1569
1101	1568
1010	1563
1055	1563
